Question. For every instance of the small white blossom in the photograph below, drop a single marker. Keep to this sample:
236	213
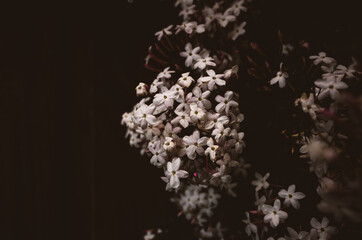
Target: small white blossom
213	79
324	231
280	78
291	197
166	73
169	144
225	19
260	181
194	144
185	80
330	87
196	113
250	227
211	150
225	103
174	173
238	31
322	58
165	31
201	63
190	54
273	214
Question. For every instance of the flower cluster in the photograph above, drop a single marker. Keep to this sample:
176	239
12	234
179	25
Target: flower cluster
325	144
213	16
197	203
271	213
189	123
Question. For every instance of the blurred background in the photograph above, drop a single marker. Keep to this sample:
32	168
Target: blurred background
67	73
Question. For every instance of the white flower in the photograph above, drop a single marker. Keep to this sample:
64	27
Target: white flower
166	73
190	54
201	98
226	102
171	131
173	172
185	80
159	154
297	236
280	78
220	133
182	118
238	31
259	202
227	161
203	62
211	150
347	72
213	79
225	18
214	118
165	99
144	115
273	214
291	197
194	144
187	11
287	48
165	31
183	2
149	236
324	231
237	7
196	113
322	58
190	27
250	227
330	87
169	144
260	181
141	89
308	105
239	143
212	197
155	85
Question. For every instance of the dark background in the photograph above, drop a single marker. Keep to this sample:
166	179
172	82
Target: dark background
67	73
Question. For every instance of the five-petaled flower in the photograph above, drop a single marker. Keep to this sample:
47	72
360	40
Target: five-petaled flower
291	197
